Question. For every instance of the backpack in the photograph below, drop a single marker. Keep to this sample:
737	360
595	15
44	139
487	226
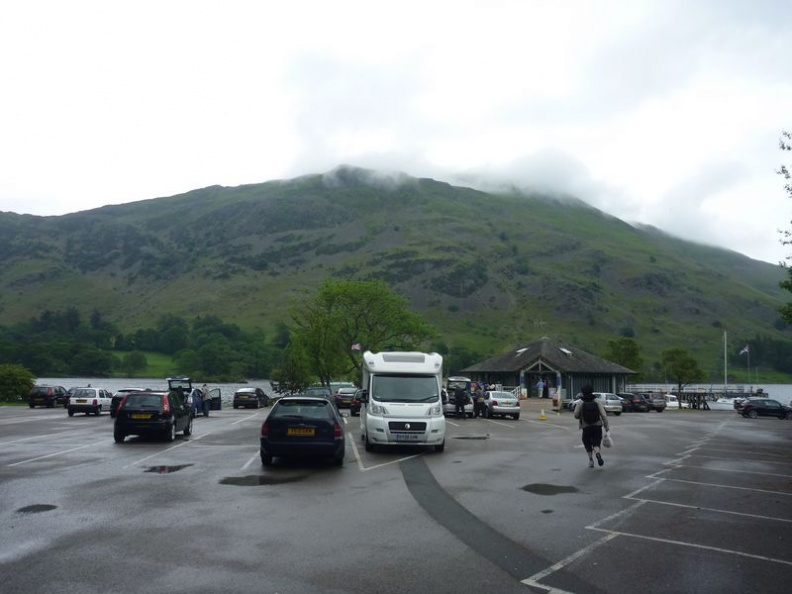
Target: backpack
590	412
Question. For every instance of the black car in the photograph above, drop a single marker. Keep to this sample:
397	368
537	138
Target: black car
250	398
656	401
634	402
303	426
47	396
763	407
119	396
152	413
318	392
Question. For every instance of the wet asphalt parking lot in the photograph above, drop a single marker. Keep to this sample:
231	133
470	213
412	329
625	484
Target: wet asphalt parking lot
688	501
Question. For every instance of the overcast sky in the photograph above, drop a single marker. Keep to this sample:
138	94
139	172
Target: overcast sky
667	113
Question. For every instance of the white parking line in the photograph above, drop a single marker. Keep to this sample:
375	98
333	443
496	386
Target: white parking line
534	579
502	423
695	546
737	471
89	445
165	451
247	418
253	458
703	484
36	437
712	509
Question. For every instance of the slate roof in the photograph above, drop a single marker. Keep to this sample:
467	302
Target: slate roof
565	358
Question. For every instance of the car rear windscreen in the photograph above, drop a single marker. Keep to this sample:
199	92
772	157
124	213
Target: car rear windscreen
143	400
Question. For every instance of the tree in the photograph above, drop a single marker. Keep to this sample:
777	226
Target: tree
134	363
681	367
344	314
294	371
785	144
15	382
91	362
626	352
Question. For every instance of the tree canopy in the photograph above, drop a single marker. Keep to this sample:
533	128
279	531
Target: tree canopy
786	145
679	366
626	352
344	317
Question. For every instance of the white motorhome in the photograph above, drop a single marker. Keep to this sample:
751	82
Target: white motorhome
402	402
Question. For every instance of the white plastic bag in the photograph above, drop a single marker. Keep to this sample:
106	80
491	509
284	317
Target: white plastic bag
607	440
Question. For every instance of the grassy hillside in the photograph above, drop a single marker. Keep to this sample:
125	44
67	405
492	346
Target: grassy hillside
488	270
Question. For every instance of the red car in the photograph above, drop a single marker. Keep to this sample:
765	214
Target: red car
343	397
354	406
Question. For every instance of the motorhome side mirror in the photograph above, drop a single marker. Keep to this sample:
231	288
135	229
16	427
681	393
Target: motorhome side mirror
364	396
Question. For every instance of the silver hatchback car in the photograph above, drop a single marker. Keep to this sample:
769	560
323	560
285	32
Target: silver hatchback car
501	404
611	402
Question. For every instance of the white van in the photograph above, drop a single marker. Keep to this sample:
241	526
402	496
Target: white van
401	403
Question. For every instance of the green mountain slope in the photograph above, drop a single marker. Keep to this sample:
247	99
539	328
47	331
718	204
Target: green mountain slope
487	270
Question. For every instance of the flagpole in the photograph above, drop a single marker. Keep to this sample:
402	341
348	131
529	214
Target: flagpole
725	364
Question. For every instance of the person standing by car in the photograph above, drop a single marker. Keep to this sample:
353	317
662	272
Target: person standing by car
460	399
478	402
206	400
592	417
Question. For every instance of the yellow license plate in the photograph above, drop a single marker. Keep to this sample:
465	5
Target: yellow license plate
141	416
81	401
301	431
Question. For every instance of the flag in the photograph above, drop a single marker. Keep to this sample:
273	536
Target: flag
745	350
356	346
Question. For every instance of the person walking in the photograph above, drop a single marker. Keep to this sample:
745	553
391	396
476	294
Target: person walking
592	418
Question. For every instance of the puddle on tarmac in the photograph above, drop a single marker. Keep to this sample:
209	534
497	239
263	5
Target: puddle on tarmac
35	509
545	489
167	469
255	480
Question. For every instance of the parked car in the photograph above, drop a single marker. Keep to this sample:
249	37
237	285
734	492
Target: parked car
343	397
303	426
672	401
89	400
354	406
449	405
318	392
250	398
634	402
762	407
611	402
501	404
47	396
119	396
69	392
657	402
152	413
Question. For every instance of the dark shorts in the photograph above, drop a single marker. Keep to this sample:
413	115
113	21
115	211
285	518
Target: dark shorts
592	437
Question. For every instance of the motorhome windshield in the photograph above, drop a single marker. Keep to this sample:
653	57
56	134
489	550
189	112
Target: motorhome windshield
404	388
